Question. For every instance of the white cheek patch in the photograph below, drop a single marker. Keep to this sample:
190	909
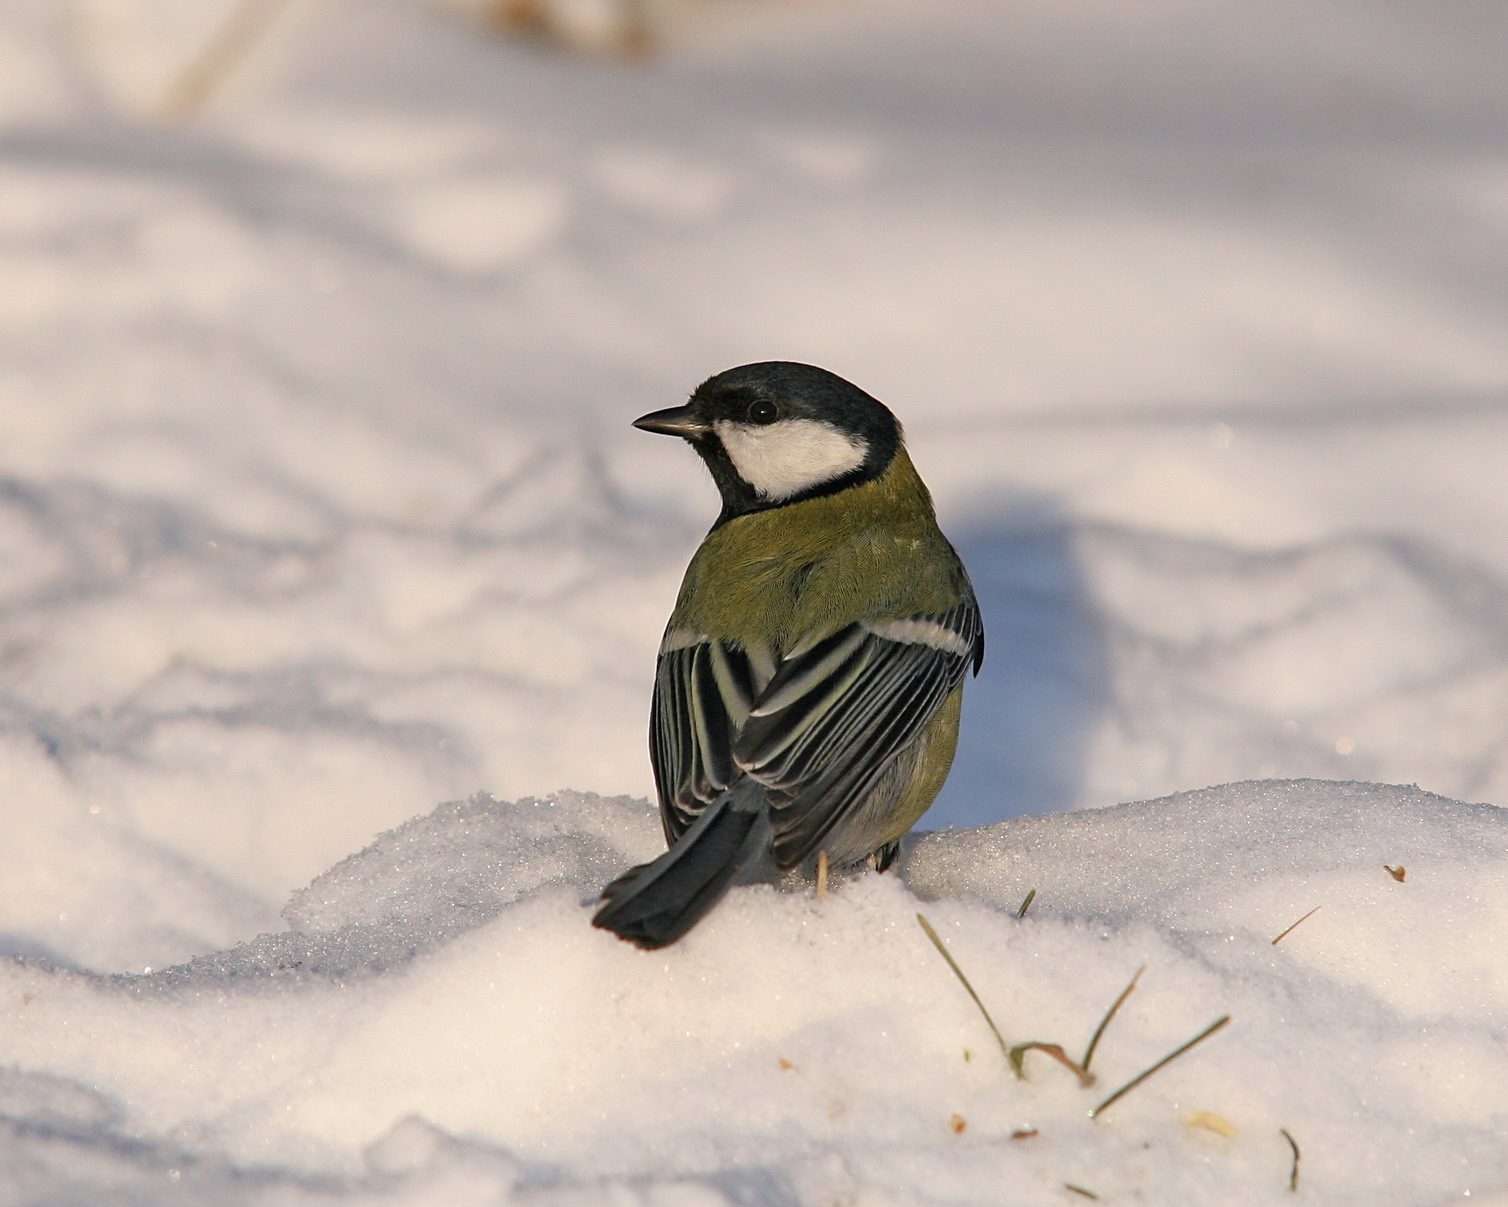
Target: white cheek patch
783	459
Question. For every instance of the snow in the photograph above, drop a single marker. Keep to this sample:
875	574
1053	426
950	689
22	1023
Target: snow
318	505
438	1011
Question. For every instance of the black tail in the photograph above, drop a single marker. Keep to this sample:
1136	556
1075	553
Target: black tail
656	903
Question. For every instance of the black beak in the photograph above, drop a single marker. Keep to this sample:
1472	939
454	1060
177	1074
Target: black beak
673	421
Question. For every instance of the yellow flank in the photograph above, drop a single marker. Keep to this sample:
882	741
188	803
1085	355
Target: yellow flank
933	756
868	552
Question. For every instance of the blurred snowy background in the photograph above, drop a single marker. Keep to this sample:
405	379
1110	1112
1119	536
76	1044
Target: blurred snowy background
318	500
321	505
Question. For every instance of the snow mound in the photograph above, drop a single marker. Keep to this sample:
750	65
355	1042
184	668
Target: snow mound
441	1024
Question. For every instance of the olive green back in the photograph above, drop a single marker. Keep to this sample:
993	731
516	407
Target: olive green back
802	571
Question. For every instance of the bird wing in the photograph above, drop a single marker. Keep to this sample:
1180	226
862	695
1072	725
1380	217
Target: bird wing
819	728
704	690
836	713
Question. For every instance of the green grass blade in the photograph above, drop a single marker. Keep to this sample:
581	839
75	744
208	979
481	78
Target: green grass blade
1094	1041
1168	1059
1293	1171
937	942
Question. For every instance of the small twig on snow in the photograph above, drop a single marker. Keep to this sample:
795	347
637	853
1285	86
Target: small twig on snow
1295	926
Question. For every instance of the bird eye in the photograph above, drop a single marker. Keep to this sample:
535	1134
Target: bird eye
763	412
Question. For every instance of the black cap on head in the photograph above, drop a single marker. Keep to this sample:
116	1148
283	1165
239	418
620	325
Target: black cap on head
801	392
763	394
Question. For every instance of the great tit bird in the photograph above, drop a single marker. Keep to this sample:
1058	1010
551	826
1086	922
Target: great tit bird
808	687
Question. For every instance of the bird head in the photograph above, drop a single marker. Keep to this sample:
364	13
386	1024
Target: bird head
778	432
